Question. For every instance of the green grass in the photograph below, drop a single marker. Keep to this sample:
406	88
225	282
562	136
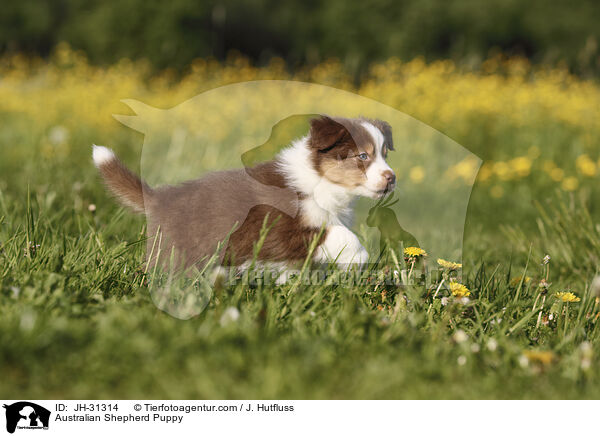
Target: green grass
77	321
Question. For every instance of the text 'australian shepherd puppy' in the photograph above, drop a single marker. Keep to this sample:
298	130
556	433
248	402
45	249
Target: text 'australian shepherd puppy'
306	191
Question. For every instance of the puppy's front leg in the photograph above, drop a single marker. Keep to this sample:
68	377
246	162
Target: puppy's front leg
342	246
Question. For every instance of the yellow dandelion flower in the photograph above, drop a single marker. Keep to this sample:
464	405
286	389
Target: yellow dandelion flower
485	172
449	265
502	170
586	166
536	356
521	166
567	297
414	252
465	169
459	290
570	183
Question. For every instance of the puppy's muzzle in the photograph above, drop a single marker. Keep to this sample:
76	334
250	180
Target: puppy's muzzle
390	178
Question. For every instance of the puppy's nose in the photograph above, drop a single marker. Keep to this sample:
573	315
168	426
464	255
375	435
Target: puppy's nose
389	176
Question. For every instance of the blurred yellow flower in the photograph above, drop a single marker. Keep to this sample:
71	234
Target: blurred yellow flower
585	165
465	170
570	183
521	166
536	356
458	290
414	252
502	170
567	297
436	92
485	172
449	265
416	174
515	281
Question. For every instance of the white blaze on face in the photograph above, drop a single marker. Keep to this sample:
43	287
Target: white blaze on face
376	180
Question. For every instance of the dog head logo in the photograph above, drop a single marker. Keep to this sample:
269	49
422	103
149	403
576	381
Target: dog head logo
26	415
430	174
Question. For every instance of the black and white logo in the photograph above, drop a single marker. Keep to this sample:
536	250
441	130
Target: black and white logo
26	415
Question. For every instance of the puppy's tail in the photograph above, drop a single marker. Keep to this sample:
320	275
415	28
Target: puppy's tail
124	184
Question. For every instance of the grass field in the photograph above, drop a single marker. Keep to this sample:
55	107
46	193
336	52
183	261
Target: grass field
77	321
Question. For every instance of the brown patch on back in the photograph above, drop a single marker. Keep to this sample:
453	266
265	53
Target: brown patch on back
195	216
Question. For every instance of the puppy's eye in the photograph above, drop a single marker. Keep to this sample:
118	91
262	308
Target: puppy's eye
363	156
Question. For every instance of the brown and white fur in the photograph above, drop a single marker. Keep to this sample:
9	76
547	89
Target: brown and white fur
309	185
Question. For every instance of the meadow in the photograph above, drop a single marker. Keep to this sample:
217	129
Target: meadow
77	319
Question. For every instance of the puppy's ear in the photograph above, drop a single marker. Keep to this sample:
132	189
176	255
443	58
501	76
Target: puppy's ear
326	133
386	129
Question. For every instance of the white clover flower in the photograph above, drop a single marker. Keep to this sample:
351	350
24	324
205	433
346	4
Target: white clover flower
523	361
586	349
460	336
492	344
27	321
15	291
230	315
58	135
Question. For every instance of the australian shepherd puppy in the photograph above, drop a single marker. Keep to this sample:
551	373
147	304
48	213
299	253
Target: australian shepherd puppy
305	193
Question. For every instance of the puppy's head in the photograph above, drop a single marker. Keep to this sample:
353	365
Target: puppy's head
351	153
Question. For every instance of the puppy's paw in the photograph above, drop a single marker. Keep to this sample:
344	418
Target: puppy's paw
343	247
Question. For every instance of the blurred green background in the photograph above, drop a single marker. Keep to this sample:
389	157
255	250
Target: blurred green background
172	34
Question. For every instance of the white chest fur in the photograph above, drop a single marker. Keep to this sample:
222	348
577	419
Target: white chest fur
341	246
325	204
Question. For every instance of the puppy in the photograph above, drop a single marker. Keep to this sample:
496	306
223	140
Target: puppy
305	193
